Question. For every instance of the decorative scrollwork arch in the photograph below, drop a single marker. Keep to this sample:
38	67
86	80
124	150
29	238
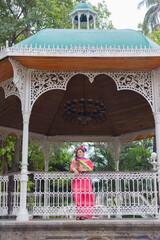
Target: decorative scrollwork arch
43	81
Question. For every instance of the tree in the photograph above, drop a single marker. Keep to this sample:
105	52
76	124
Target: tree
102	159
151	19
7	151
36	161
133	158
136	157
103	16
20	19
155	36
61	159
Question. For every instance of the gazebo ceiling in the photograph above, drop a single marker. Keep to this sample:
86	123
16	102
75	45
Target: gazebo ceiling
127	111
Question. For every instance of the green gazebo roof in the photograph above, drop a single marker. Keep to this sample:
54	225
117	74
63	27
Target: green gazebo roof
83	6
62	38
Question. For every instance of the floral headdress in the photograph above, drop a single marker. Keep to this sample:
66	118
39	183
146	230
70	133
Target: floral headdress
80	147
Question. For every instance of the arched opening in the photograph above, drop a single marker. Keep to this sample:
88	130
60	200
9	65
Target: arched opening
126	111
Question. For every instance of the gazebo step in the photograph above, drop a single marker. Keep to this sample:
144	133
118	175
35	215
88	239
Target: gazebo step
81	230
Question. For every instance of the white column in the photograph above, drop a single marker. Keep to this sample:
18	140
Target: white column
157	131
117	151
46	151
72	22
156	112
87	20
79	21
94	20
23	213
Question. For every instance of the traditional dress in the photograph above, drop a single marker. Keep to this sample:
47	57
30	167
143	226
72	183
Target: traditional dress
82	190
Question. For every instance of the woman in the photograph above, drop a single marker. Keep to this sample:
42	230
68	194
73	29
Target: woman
82	187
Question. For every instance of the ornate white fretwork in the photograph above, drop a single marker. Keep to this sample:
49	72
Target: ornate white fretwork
3	195
42	81
39	82
140	82
59	141
79	51
115	193
156	90
10	88
19	77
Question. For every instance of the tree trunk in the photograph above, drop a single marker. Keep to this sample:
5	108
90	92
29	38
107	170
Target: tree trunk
4	158
154	144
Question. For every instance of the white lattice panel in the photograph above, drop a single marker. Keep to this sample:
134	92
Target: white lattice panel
114	194
3	195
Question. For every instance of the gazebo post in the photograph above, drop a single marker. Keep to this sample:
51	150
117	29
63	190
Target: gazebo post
88	20
46	151
73	23
79	21
94	20
157	131
117	150
23	213
156	113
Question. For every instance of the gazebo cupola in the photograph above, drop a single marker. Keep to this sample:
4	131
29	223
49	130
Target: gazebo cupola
83	16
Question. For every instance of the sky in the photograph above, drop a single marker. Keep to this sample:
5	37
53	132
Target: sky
124	13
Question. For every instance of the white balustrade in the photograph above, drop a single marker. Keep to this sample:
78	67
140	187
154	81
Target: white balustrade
115	194
3	195
16	195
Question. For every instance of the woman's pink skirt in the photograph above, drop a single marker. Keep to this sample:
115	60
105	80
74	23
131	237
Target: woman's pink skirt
83	195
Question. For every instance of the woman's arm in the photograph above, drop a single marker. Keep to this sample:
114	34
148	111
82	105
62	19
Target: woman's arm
73	167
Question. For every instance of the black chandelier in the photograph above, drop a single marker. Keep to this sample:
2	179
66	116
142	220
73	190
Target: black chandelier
84	111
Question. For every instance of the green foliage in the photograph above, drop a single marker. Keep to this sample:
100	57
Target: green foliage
8	150
20	19
103	16
151	18
132	158
136	157
102	160
61	159
35	158
155	36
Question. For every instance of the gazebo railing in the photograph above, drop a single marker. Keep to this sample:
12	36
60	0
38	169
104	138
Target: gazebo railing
115	194
3	195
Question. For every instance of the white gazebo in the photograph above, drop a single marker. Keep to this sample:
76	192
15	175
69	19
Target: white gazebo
119	68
